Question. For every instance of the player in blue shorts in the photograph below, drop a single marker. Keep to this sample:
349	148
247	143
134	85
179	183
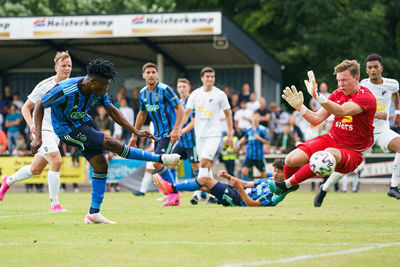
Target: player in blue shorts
256	137
165	110
237	192
70	101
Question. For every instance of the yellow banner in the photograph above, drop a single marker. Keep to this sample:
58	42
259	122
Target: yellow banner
68	174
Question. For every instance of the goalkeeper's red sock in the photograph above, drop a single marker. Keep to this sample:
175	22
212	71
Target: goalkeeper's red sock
301	175
289	171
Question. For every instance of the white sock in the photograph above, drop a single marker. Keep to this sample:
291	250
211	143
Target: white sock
396	171
354	181
344	182
22	174
147	178
210	173
54	186
333	179
288	183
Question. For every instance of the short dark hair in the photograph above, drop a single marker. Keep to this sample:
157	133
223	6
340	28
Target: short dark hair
206	69
278	163
373	57
101	67
149	65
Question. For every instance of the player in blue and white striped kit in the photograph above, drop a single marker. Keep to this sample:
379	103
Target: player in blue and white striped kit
237	192
256	137
165	110
70	101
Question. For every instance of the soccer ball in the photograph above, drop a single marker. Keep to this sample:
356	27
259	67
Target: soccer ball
322	163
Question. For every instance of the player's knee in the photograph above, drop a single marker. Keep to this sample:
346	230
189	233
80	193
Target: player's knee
56	164
245	171
290	161
36	170
112	144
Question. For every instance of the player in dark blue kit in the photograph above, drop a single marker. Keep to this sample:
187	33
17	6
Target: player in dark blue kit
165	110
70	100
256	137
237	192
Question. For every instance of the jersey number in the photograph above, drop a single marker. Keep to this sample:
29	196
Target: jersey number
380	107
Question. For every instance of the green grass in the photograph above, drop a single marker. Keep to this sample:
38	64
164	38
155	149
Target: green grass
202	235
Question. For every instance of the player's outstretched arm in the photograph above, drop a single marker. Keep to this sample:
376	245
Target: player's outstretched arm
174	134
396	105
119	118
229	122
38	114
236	183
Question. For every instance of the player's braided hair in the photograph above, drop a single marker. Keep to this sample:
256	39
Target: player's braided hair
101	67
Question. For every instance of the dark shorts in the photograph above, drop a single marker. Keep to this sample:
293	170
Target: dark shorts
87	138
226	195
187	153
350	158
260	164
163	146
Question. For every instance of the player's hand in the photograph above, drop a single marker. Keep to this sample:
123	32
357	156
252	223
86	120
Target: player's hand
229	140
224	174
294	98
133	140
174	136
32	128
257	136
381	115
312	88
396	120
235	182
146	133
36	144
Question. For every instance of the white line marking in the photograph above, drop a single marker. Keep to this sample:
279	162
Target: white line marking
304	257
133	242
27	215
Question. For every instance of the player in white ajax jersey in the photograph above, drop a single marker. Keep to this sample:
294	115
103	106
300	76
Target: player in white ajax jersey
385	91
48	152
208	101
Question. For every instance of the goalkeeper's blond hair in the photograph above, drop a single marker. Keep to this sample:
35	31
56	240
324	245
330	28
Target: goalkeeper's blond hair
351	65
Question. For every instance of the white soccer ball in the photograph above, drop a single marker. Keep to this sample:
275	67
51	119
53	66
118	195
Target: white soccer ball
322	163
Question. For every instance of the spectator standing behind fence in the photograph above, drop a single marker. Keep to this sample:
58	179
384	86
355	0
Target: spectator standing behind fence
3	104
17	101
245	94
323	90
279	118
134	101
285	142
102	120
13	120
235	103
253	104
7	94
242	118
265	114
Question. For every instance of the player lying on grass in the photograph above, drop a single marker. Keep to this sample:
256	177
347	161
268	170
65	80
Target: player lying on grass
237	192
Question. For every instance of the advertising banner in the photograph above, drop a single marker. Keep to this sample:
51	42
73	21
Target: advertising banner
68	174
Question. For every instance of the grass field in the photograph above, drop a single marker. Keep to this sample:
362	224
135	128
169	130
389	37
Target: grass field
348	230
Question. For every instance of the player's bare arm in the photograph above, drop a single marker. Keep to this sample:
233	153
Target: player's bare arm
38	114
119	118
262	140
174	134
228	115
26	113
226	175
188	127
185	116
396	105
140	119
246	198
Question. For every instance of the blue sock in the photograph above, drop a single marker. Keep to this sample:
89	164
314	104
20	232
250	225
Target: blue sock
173	172
139	154
166	174
99	182
191	185
245	178
196	173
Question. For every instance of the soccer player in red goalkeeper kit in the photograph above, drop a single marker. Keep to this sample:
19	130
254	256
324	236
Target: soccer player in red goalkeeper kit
354	108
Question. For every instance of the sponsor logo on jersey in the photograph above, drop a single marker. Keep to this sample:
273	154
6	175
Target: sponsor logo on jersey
151	108
76	115
345	124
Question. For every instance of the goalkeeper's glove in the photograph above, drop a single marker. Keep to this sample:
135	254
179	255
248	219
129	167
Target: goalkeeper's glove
312	88
294	98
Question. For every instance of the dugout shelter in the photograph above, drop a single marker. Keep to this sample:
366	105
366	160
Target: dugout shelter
180	43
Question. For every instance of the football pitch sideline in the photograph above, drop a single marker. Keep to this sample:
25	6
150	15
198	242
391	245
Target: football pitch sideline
360	229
